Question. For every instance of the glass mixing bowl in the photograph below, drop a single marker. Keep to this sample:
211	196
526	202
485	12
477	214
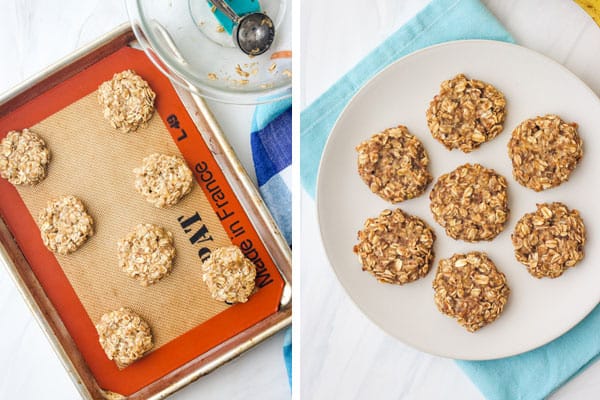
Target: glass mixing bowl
188	44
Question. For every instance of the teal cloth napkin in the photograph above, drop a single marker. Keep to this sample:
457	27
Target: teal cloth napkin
528	376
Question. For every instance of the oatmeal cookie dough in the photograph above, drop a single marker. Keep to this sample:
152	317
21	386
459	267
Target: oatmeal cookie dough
469	288
146	254
163	180
395	247
466	113
393	164
229	275
550	240
124	336
470	203
544	151
23	158
65	225
127	101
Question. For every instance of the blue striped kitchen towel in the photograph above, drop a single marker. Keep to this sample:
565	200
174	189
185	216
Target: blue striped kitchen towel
271	142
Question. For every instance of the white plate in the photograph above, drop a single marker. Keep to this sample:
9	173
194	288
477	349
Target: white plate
537	310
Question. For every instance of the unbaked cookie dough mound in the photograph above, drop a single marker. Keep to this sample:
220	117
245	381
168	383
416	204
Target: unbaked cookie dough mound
395	247
469	288
393	164
146	254
550	240
127	101
163	180
124	336
65	225
470	203
24	158
466	113
229	275
544	151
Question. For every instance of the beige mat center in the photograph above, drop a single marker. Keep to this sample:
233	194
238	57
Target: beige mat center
94	162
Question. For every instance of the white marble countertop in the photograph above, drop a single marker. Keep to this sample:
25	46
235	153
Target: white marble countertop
343	354
33	35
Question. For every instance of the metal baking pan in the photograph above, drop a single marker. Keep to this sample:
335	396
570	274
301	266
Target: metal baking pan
245	191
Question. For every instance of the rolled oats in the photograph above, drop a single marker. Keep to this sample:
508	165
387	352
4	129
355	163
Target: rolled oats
471	203
163	180
550	240
127	101
124	336
544	151
65	225
23	158
466	113
395	247
146	254
469	288
393	163
229	275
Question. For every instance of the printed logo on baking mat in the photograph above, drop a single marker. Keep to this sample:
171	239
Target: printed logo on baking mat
95	162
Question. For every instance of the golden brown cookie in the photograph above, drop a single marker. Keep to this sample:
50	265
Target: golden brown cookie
550	240
163	180
395	247
470	203
466	113
544	151
393	164
469	288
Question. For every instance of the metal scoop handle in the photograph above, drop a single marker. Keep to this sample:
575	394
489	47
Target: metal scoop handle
227	10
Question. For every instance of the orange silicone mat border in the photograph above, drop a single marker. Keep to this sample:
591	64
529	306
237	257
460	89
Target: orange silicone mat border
191	344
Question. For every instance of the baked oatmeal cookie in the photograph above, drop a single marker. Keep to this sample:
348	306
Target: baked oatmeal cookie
229	275
146	254
470	203
544	151
395	247
163	180
550	240
127	101
469	288
65	225
466	113
393	164
124	336
24	158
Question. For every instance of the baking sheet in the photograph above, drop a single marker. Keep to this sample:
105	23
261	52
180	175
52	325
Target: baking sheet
187	323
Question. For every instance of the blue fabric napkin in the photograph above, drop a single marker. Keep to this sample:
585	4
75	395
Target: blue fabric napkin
528	376
271	143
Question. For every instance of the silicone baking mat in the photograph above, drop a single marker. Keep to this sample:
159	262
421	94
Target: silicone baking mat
93	161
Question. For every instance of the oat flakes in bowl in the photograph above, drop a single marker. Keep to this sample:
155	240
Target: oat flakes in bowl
550	240
395	247
466	113
544	151
470	203
394	164
469	288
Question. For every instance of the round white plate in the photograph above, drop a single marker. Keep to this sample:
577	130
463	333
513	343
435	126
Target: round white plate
538	310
